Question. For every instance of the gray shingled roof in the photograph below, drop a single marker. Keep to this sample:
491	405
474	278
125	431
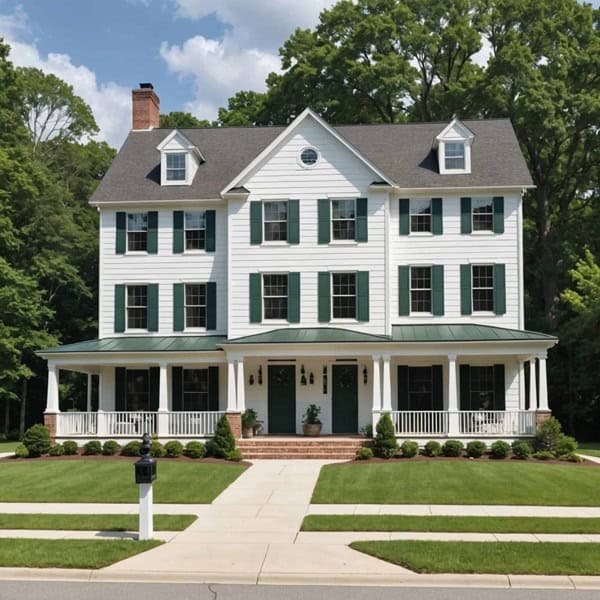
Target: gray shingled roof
402	152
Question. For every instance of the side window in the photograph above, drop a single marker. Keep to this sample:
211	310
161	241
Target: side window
482	388
454	153
343	219
275	296
483	288
195	305
137	232
420	215
195	390
482	210
275	221
195	230
176	166
344	295
420	289
137	307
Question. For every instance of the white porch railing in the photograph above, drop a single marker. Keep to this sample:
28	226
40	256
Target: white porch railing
193	424
127	423
420	422
77	424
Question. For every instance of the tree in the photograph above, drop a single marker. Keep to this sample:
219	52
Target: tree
174	120
244	109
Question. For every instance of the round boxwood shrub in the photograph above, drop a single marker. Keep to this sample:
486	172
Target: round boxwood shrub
37	440
173	449
452	448
432	448
194	450
364	453
56	450
131	448
92	448
157	450
385	444
21	451
543	455
234	455
70	448
409	449
572	457
499	449
110	448
565	445
476	449
521	449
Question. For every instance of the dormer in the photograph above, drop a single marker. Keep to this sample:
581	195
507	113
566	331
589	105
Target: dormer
453	147
179	160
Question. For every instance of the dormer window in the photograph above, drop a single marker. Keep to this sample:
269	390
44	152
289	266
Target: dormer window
176	166
454	146
454	156
179	160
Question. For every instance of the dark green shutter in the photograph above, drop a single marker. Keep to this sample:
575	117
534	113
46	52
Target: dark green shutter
213	388
255	287
465	387
362	309
465	289
437	219
324	216
120	308
177	388
152	296
404	204
294	297
209	232
499	388
437	387
499	289
120	389
121	241
324	294
466	225
178	307
152	244
403	290
211	305
437	290
403	387
153	390
293	223
178	245
362	227
498	214
256	221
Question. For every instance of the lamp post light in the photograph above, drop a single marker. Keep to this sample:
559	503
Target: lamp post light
145	475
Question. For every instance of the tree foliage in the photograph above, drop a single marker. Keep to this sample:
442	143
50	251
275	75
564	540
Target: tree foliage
183	120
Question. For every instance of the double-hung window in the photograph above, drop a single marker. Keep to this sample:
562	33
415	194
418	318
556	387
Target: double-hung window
454	155
344	295
420	388
137	232
482	388
195	230
483	214
138	389
276	221
195	305
483	288
420	289
137	307
195	390
275	296
420	215
343	219
176	166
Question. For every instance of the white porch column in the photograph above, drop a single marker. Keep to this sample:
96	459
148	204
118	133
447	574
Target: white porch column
543	391
521	383
162	419
376	389
231	388
89	393
52	395
386	395
532	385
101	427
241	386
453	416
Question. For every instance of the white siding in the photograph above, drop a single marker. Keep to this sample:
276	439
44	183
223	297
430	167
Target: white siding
164	268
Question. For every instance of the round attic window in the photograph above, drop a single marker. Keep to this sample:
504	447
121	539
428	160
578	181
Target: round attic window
309	157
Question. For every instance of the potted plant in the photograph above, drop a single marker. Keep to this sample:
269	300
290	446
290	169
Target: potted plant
311	424
249	420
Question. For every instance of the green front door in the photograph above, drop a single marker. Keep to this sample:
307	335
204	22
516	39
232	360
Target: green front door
282	399
344	388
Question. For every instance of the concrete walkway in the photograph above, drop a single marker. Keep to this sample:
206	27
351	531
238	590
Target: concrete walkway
594	459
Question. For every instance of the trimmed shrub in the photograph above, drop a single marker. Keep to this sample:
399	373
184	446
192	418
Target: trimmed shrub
157	450
452	448
37	440
476	449
366	430
110	448
173	449
548	434
56	450
364	453
409	449
234	455
521	449
571	457
194	450
21	451
385	444
543	455
499	449
565	445
70	448
432	448
223	441
92	448
131	448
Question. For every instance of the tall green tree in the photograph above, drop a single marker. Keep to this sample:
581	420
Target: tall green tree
182	120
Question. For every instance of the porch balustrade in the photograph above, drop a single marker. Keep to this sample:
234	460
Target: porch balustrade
193	424
420	422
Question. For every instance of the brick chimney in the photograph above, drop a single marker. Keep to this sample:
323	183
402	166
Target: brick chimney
145	106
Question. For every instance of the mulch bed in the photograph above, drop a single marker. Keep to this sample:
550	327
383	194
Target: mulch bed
485	458
131	459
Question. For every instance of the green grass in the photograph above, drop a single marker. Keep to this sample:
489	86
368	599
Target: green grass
488	557
92	522
68	554
590	448
450	524
457	482
8	446
111	481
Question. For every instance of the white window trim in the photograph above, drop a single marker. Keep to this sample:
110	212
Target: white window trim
185	229
264	222
410	216
299	158
442	157
135	329
410	289
482	312
349	241
128	231
345	319
264	307
185	306
163	167
481	231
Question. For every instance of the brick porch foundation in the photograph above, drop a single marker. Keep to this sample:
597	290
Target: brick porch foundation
50	423
541	416
235	422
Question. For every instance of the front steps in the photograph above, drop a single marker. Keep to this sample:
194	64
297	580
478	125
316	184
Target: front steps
326	447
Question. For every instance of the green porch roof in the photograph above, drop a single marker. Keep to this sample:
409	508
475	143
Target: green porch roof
197	343
309	335
468	332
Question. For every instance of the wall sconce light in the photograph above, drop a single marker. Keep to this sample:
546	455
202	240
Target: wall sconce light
311	378
302	376
259	374
365	375
251	380
324	379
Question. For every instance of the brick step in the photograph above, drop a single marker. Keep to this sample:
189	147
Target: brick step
321	456
292	443
296	449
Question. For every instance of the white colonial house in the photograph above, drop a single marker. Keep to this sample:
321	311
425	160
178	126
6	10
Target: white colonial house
362	268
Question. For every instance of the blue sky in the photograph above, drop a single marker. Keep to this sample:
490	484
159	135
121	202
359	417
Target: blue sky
196	52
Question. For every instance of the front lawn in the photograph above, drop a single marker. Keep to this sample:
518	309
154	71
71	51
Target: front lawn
68	554
111	481
92	522
8	446
450	524
458	482
488	557
590	448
